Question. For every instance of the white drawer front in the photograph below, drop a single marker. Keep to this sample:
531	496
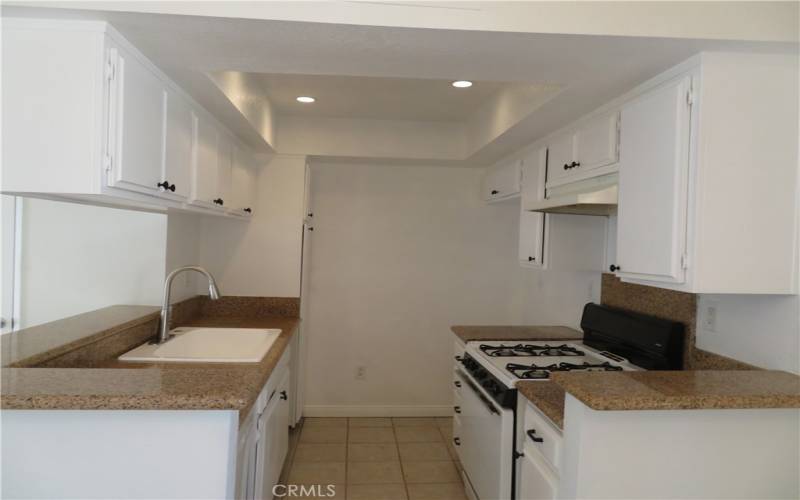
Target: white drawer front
542	436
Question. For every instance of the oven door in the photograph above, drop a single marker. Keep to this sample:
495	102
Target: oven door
487	440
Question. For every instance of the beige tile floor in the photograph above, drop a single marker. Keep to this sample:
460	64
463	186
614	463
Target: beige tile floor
377	458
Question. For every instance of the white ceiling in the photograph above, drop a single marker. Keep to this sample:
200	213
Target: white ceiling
376	97
592	69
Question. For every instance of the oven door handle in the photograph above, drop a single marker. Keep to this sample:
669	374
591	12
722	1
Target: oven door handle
484	399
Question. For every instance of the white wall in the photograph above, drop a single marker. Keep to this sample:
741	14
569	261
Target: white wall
183	249
399	255
763	330
261	257
77	258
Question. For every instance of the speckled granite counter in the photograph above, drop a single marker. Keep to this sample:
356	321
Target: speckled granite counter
151	386
470	333
665	390
547	396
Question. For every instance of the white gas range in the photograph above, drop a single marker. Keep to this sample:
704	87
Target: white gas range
488	372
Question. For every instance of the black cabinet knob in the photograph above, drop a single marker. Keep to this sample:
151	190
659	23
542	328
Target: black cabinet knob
284	396
575	164
457	409
172	188
164	185
310	228
613	268
532	434
531	259
219	201
248	210
494	191
457	383
310	214
457	441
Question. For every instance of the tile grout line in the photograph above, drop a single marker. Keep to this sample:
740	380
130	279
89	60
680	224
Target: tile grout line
400	459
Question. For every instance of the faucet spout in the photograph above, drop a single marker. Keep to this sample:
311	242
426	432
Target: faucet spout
213	294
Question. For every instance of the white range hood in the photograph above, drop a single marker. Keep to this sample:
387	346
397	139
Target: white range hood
589	198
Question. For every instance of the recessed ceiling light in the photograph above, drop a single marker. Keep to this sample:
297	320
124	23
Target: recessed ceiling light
307	99
462	84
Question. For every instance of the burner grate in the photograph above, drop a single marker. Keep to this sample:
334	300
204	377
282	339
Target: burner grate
535	372
530	350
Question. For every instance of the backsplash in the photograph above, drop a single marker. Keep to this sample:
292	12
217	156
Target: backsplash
671	305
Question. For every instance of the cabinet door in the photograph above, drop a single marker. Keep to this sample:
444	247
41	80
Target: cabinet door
536	480
596	143
280	432
178	145
653	184
224	170
561	154
204	168
136	106
246	459
243	181
532	224
502	181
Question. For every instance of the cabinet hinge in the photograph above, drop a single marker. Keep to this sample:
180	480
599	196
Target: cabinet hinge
619	133
108	162
111	69
684	261
689	97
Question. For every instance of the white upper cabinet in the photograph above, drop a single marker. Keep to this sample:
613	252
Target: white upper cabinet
654	169
92	120
708	189
579	153
502	181
176	171
205	163
243	182
596	142
224	162
532	224
561	156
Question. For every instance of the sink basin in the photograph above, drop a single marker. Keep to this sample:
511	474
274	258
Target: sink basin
208	345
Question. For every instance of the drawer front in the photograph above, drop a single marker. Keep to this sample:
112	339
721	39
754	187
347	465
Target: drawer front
542	436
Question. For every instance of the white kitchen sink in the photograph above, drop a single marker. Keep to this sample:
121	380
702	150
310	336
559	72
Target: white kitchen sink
208	345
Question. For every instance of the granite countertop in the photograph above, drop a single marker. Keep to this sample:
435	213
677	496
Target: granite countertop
35	344
470	333
665	390
163	386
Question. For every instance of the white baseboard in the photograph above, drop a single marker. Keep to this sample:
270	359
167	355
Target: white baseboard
376	411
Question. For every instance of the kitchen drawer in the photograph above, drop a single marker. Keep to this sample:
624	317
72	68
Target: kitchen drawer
549	441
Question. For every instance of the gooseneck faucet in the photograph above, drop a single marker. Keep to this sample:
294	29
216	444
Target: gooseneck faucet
213	294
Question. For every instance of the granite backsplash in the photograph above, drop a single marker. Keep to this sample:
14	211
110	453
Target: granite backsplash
671	305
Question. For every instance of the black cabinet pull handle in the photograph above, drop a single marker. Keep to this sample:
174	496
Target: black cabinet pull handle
284	396
532	434
172	188
219	201
531	259
494	191
457	409
613	268
164	185
566	167
457	383
457	441
248	210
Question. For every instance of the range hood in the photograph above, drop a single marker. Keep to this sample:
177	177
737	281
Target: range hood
592	200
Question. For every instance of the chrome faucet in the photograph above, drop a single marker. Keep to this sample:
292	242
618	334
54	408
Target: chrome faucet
213	294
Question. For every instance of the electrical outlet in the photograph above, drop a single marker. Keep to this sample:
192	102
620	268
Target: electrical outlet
361	373
710	316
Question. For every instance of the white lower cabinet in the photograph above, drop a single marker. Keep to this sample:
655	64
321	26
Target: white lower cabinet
264	437
537	481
